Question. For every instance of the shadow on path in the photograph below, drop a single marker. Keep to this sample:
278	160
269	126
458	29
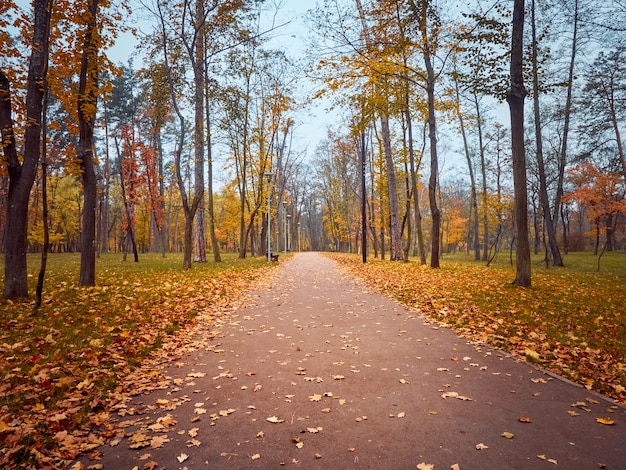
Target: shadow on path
321	372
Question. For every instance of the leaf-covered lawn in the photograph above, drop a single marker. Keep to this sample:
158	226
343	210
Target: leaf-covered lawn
572	321
60	365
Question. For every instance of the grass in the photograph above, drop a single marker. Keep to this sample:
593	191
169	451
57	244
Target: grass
572	321
59	364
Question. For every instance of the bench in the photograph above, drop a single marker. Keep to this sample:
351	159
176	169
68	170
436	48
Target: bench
274	257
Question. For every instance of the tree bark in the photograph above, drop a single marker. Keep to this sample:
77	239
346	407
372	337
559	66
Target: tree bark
483	167
87	102
470	167
394	222
566	125
544	200
210	203
434	163
199	80
22	174
515	99
415	189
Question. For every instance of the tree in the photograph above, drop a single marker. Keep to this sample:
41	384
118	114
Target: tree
22	171
605	101
425	14
515	98
87	104
544	199
602	194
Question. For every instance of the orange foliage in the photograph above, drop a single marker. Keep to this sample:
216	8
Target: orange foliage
601	193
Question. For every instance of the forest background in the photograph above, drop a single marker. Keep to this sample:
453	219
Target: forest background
200	132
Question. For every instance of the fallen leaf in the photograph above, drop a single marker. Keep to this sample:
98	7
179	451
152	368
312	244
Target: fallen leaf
158	441
182	457
455	467
318	456
481	446
315	397
530	353
425	466
274	419
524	419
607	421
196	375
150	465
543	457
401	414
255	456
507	435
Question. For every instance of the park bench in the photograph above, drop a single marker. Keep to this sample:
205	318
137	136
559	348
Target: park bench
274	257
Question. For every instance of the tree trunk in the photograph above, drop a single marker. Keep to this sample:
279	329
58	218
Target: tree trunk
544	200
414	186
483	167
210	203
44	202
87	101
396	238
104	208
566	124
127	179
434	165
199	237
22	173
470	167
515	99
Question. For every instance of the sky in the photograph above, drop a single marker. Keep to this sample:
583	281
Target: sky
312	122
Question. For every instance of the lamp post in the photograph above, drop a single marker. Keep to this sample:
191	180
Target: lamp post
285	225
269	232
288	232
298	237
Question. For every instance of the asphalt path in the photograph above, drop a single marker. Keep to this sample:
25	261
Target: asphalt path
319	372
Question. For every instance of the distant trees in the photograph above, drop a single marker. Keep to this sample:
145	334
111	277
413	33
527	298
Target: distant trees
185	151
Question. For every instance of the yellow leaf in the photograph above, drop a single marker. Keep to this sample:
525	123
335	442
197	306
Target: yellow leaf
274	419
607	421
315	397
507	435
532	354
